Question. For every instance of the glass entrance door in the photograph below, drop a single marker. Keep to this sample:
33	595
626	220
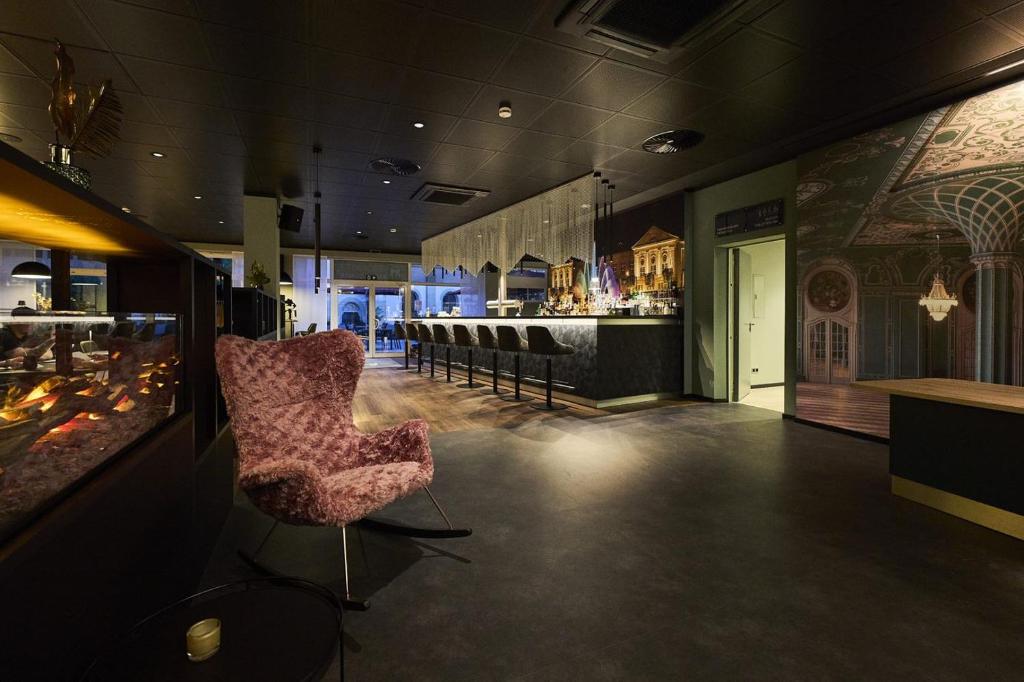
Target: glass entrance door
370	312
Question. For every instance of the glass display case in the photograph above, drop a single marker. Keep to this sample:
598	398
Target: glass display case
77	390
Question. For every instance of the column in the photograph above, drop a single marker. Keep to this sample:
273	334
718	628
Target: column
261	241
994	317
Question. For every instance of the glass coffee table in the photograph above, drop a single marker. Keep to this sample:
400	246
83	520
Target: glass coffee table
272	628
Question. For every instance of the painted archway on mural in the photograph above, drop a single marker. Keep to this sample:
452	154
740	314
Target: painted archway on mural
830	322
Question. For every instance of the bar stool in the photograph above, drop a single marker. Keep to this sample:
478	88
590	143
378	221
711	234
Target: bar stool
410	336
444	338
425	337
489	341
510	341
465	339
542	343
398	334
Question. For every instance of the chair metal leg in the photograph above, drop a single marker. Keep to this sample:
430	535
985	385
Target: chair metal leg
406	354
494	390
431	361
448	363
547	404
348	602
469	368
516	397
413	532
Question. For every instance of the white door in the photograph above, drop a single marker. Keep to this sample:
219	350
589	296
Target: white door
743	311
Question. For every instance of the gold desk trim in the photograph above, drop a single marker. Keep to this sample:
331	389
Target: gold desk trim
971	510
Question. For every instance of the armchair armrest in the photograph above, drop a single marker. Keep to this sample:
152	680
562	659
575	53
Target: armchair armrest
407	442
291	490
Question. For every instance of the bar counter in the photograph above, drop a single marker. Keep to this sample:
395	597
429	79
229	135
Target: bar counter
618	359
955	446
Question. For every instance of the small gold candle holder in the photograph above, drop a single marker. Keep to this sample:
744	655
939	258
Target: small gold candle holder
203	640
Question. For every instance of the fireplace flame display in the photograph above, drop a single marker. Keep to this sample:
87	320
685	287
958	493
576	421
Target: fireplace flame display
55	429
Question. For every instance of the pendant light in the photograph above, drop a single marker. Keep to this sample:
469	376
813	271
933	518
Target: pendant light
31	269
316	223
938	301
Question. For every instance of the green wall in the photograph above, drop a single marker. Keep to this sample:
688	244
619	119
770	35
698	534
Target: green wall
707	284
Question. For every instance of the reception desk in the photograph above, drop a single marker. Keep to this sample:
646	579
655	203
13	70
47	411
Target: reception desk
618	360
956	446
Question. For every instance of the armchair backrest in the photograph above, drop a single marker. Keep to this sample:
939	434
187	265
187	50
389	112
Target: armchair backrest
275	388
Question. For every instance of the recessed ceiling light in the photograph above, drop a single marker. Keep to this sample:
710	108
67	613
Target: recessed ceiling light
584	205
369	213
418	124
126	209
479	235
546	222
359	231
198	196
505	110
157	155
393	230
220	222
386	182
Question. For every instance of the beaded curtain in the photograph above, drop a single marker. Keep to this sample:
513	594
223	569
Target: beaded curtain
554	226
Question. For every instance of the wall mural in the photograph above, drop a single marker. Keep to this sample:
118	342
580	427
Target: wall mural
884	219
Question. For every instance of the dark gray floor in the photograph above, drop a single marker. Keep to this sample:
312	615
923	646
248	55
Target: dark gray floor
700	542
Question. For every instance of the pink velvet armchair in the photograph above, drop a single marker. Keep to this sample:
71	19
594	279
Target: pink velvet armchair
301	458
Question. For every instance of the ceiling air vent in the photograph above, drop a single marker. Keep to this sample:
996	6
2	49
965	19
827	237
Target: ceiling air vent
655	29
672	141
448	195
395	166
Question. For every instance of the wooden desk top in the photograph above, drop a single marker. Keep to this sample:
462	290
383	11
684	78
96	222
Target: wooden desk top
957	391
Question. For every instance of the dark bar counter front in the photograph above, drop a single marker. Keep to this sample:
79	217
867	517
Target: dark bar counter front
618	359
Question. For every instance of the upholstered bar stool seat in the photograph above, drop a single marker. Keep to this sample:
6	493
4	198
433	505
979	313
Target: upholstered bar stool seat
489	341
541	342
464	338
510	341
426	337
443	337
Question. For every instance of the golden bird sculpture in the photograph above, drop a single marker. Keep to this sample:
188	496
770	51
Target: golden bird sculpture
91	129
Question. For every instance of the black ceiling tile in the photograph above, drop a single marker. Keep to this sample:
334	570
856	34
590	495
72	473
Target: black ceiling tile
798	84
1013	17
182	7
611	85
278	151
625	131
898	30
170	81
146	133
510	164
263	126
11	64
457	47
24	90
541	145
340	158
466	158
138	108
747	120
587	153
810	22
47	19
970	46
91	66
249	94
542	68
440	172
435	92
399	121
510	16
417	151
34	118
383	29
558	172
197	116
717	147
341	137
571	120
142	32
632	161
525	106
673	101
993	6
738	60
348	111
470	133
252	55
852	95
354	75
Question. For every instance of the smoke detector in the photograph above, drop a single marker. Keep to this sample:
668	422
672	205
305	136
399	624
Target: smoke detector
505	110
395	166
672	141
